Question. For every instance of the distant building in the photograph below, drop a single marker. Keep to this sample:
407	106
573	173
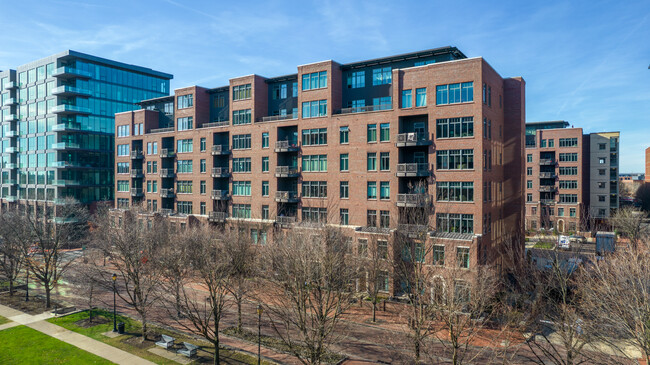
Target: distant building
571	177
647	164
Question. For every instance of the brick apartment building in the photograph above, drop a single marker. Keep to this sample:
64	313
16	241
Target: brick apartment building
571	177
354	145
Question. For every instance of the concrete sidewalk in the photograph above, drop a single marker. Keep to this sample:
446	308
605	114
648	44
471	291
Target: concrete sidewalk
98	348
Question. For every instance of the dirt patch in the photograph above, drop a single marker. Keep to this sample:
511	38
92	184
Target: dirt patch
136	341
35	305
87	323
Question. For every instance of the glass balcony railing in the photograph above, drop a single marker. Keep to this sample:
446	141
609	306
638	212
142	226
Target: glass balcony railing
65	108
70	90
11	134
65	182
10	118
66	127
71	72
64	145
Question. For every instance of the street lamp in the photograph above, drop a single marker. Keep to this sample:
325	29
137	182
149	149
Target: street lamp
114	277
260	310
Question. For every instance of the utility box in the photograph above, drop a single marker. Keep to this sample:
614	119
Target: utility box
605	242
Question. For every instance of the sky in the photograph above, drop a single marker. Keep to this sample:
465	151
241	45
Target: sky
585	62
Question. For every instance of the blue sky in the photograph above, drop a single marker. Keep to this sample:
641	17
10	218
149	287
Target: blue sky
584	61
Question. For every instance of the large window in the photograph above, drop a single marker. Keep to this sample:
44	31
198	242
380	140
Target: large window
241	210
122	149
314	189
184	123
184	187
184	166
568	170
185	101
241	117
382	103
314	163
184	207
313	109
455	159
568	184
455	191
241	92
456	223
184	145
455	127
382	75
122	185
318	215
315	80
122	167
314	137
241	188
241	141
357	79
568	142
242	164
455	93
122	130
568	198
568	157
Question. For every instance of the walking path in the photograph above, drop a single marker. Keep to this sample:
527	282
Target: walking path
98	348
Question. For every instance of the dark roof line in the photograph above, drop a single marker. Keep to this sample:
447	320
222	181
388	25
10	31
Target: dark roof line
404	56
115	63
549	122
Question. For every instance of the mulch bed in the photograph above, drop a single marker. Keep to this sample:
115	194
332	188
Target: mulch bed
35	305
136	341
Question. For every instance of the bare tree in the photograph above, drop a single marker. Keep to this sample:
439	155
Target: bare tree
630	222
373	259
174	262
132	248
310	288
87	281
13	246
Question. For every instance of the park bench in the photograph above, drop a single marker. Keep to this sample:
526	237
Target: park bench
189	350
166	342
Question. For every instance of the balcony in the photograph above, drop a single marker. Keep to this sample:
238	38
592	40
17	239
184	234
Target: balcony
220	150
9	165
10	102
286	171
160	130
548	201
11	149
137	173
70	109
286	197
137	155
215	124
166	173
547	188
276	118
10	118
66	183
66	127
137	192
167	153
9	182
220	172
166	212
413	169
217	217
412	200
413	139
9	134
547	175
70	73
66	164
413	230
282	220
167	193
220	195
367	108
546	161
10	198
65	146
71	91
11	85
287	146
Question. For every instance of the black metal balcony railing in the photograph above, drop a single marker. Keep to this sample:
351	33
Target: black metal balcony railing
137	192
286	171
167	193
367	108
412	200
546	161
215	124
220	172
547	201
220	195
136	173
412	169
286	196
166	211
413	139
413	229
286	146
547	175
161	130
167	153
275	118
166	173
547	188
285	220
217	216
220	150
136	155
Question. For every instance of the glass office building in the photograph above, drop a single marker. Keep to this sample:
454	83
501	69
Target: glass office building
57	116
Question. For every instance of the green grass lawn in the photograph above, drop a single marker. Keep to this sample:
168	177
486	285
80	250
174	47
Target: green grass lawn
3	320
133	329
23	345
545	245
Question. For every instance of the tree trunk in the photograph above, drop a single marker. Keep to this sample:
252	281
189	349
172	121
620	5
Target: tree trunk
374	310
216	342
454	358
417	350
144	327
11	287
48	290
239	322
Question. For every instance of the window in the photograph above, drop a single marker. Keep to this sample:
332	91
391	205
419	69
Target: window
455	127
344	135
568	142
184	166
384	132
344	190
455	191
265	164
184	145
382	103
242	164
241	117
314	163
241	188
315	80
122	185
184	123
184	187
568	198
313	109
529	157
185	101
384	161
372	133
462	256
357	79
602	198
203	187
569	170
372	190
601	185
265	188
122	130
314	189
371	218
602	160
318	215
568	157
203	144
529	197
344	162
602	146
241	210
241	141
384	190
529	171
203	166
265	212
122	149
372	161
314	137
265	140
455	93
455	159
407	99
122	167
384	219
168	108
572	212
345	216
439	255
184	207
421	97
551	143
456	223
568	184
529	184
241	92
381	76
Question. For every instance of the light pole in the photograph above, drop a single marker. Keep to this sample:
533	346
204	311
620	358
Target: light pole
114	277
260	310
27	285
